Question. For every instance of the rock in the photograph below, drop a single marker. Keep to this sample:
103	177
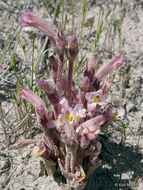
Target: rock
131	108
2	182
5	163
3	154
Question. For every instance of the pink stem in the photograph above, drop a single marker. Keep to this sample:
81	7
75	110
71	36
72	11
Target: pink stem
70	72
59	75
56	111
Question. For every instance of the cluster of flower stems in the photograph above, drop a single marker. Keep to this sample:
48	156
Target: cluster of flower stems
71	125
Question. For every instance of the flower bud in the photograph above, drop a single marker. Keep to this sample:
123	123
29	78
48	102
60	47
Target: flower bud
73	47
107	68
85	84
90	66
53	63
106	86
48	86
61	40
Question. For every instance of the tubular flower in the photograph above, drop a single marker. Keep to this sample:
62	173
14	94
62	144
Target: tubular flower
91	66
35	100
41	150
73	47
49	87
32	97
73	116
107	68
118	114
94	99
93	131
55	35
106	86
25	142
80	114
89	130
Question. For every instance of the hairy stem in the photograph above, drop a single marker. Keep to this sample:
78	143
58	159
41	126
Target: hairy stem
70	72
67	159
50	166
56	111
59	75
70	160
73	159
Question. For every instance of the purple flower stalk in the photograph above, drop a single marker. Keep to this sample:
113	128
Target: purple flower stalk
108	67
35	100
55	35
74	120
25	142
72	53
91	66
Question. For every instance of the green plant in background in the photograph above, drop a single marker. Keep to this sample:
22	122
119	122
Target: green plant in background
114	20
99	28
83	16
123	132
5	49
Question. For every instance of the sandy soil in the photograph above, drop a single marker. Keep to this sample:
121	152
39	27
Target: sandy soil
122	163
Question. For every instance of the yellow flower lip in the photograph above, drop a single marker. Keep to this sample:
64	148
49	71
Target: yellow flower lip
114	117
38	153
40	150
59	118
69	117
80	175
92	132
96	98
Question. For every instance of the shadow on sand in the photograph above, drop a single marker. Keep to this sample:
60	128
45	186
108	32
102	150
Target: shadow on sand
109	176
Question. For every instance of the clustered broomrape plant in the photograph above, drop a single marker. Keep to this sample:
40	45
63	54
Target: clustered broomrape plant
71	126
